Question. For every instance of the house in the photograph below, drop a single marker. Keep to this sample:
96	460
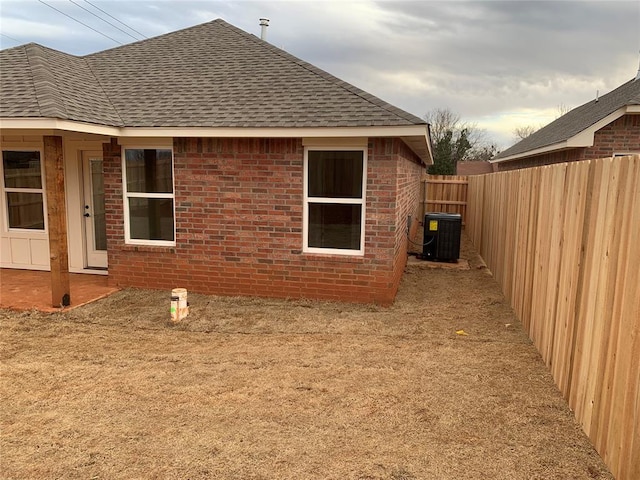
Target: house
206	159
603	127
474	168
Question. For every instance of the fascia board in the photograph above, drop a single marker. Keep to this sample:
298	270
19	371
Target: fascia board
581	139
51	124
530	153
417	133
586	136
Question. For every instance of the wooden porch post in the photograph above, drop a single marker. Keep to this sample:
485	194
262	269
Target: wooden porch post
57	218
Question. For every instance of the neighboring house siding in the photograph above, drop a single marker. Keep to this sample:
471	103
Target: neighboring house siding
473	168
620	136
572	155
239	224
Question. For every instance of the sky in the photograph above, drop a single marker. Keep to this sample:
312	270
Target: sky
497	64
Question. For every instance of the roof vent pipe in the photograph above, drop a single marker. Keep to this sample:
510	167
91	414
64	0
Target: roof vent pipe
638	74
264	23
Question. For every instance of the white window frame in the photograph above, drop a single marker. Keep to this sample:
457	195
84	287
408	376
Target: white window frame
127	195
6	190
345	201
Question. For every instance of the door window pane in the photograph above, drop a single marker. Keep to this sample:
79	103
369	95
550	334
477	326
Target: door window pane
97	194
335	174
333	225
25	210
151	219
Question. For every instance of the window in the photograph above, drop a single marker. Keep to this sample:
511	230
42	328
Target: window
23	189
149	197
334	201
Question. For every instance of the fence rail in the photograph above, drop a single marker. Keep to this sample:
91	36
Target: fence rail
563	241
445	193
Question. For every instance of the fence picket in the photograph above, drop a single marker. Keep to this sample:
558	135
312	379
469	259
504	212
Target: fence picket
563	242
445	193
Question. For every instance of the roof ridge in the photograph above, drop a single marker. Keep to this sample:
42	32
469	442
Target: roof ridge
122	124
232	70
217	20
44	82
368	97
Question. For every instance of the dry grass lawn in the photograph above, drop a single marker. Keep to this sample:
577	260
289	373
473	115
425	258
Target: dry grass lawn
270	389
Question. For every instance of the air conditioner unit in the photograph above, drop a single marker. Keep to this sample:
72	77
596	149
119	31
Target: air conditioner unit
441	240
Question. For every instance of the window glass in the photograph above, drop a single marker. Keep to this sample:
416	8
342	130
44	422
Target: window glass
151	219
21	169
149	192
149	171
334	201
334	225
335	174
22	175
25	210
99	214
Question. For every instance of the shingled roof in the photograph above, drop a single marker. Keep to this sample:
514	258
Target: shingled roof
577	120
210	75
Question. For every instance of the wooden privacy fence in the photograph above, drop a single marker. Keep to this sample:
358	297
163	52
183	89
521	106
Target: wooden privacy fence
563	241
444	193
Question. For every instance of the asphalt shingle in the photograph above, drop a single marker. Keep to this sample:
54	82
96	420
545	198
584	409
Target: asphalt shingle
18	94
578	119
210	75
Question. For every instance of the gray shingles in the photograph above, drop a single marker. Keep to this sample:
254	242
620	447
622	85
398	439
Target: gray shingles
18	98
578	119
210	75
41	82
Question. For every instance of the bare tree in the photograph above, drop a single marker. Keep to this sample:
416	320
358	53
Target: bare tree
522	132
562	110
443	120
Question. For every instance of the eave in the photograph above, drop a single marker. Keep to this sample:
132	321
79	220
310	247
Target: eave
585	138
415	136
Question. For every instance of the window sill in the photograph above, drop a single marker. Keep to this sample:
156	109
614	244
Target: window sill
342	258
148	248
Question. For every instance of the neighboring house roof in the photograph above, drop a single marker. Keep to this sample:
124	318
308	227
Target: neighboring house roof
576	128
210	75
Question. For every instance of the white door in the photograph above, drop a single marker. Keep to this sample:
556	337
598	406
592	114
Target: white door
93	211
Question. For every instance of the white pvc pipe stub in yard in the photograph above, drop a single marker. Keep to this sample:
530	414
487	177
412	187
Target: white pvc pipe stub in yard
179	305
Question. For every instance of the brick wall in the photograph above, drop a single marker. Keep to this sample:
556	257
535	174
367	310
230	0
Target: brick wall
239	225
622	135
408	186
573	155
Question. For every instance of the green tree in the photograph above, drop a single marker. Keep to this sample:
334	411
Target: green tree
448	151
453	141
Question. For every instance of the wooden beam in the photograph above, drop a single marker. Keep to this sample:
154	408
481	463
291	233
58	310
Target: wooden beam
57	219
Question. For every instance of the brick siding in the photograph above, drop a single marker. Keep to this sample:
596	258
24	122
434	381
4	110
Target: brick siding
621	135
238	221
408	187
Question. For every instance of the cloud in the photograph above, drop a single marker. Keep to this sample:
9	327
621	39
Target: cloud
493	62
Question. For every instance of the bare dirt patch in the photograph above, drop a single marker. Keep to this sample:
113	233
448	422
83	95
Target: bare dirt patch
260	388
